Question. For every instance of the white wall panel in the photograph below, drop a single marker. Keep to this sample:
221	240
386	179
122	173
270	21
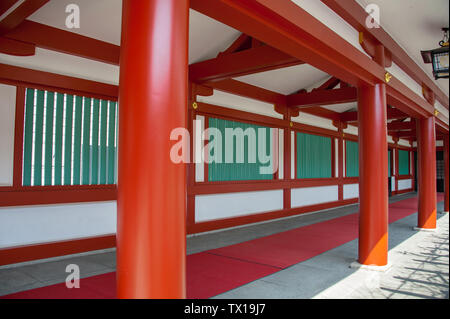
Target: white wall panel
351	191
7	119
45	223
240	103
404	184
313	195
220	206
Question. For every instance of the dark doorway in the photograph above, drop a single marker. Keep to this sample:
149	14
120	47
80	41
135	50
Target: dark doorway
439	171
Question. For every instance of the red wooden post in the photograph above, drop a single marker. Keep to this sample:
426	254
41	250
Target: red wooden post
426	181
151	234
373	174
446	182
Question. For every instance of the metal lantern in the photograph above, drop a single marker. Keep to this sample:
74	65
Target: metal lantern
439	58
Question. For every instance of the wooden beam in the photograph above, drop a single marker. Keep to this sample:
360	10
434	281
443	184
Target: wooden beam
238	44
401	126
5	5
248	90
321	112
47	80
322	97
50	38
356	16
226	66
330	84
18	15
391	114
284	25
18	48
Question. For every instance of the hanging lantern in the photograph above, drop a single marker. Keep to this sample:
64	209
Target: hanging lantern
439	58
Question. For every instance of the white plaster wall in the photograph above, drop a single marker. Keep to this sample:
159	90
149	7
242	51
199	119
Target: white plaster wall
46	223
7	119
351	130
281	154
404	142
313	195
332	20
220	206
293	163
401	75
200	165
313	120
240	103
404	184
351	191
441	110
393	183
336	157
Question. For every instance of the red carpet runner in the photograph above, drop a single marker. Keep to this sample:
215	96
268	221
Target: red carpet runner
219	270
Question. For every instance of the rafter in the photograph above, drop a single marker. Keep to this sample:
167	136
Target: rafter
391	114
248	90
242	42
401	126
254	60
356	16
322	97
330	84
19	14
50	38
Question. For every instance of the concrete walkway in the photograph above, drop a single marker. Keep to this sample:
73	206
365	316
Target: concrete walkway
420	264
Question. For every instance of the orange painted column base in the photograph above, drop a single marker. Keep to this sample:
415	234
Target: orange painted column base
426	149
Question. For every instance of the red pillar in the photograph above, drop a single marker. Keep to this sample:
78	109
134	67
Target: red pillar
426	179
446	182
151	234
373	174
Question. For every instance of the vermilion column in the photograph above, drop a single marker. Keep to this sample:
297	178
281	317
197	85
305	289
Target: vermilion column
426	179
446	181
373	174
151	240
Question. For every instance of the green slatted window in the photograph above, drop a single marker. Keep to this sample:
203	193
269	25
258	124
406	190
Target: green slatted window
235	171
69	140
351	159
403	162
313	156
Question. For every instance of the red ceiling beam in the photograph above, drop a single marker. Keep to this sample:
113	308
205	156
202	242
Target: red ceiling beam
356	16
403	98
391	114
322	97
322	112
285	26
47	80
254	60
19	48
249	91
240	42
5	5
401	126
50	38
330	84
18	15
